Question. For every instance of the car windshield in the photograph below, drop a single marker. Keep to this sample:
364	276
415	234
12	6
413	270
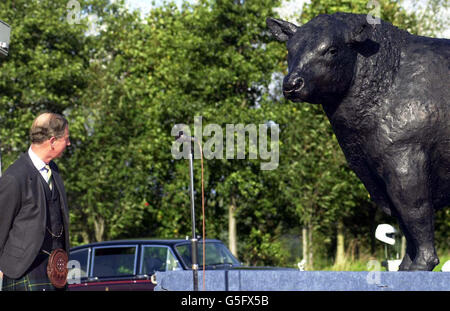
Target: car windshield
215	254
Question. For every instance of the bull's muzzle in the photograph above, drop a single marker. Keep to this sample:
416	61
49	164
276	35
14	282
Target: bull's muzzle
292	84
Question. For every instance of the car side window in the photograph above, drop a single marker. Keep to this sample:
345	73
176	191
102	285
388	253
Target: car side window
158	258
216	253
114	261
82	258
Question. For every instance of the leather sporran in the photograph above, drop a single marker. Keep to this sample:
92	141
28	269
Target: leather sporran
57	268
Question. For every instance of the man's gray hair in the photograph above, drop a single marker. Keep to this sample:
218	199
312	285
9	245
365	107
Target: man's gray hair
46	126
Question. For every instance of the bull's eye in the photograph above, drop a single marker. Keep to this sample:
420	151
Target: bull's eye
332	51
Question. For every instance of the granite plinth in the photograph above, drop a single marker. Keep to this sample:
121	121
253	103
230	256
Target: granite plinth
274	280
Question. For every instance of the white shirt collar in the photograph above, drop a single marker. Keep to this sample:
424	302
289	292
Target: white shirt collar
38	163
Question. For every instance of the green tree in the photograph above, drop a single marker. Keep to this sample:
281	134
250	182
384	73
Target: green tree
110	174
431	17
125	85
225	58
44	71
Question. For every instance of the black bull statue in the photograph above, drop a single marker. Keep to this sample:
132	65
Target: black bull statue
386	94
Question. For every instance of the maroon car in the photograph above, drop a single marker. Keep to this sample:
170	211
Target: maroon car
131	264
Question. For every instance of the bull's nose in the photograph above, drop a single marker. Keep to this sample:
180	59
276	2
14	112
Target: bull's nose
293	83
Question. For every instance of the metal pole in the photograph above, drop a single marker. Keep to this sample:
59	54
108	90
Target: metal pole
194	237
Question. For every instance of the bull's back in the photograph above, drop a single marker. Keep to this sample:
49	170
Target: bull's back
417	109
425	69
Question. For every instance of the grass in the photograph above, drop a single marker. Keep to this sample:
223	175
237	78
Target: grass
362	264
443	258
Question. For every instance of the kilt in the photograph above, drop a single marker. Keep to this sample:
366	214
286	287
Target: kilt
35	279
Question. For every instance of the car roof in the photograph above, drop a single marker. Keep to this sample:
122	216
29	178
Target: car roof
168	242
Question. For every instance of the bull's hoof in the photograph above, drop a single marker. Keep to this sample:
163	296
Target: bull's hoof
419	264
405	264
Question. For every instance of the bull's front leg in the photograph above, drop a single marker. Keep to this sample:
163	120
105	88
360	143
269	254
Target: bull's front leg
406	174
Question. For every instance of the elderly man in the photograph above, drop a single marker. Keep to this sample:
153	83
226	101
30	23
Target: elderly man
34	217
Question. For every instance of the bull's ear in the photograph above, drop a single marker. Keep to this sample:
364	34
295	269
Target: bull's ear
359	34
281	30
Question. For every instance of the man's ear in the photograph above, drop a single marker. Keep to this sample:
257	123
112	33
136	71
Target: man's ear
52	140
359	34
281	30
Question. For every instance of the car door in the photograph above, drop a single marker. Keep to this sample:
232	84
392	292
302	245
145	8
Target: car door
154	258
78	267
113	267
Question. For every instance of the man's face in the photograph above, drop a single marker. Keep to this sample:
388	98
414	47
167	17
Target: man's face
59	144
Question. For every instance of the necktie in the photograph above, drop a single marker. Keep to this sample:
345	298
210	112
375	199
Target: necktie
49	175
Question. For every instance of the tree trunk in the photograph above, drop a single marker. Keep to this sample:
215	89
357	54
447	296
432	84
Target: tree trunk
232	228
85	237
403	247
307	247
310	248
99	226
340	249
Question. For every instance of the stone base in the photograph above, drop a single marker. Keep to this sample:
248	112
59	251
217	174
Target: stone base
290	280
